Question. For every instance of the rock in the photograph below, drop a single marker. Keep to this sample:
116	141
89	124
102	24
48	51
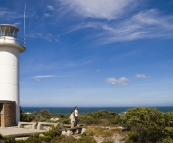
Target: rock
54	119
64	133
83	130
68	133
41	135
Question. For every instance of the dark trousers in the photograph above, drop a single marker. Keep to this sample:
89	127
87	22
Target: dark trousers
76	121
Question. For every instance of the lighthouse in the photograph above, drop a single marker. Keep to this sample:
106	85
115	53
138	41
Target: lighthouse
10	48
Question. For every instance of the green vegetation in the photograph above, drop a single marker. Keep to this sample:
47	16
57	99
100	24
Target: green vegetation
140	125
148	125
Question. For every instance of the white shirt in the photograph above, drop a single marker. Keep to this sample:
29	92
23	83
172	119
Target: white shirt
75	112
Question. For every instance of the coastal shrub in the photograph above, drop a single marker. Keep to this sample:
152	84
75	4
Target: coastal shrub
167	140
99	118
132	138
102	114
104	121
63	139
114	121
85	139
52	133
45	139
168	131
169	119
9	140
149	124
45	113
59	115
33	139
65	121
71	139
87	120
25	117
21	141
1	137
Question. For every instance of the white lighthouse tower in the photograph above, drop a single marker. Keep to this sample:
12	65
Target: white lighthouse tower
10	48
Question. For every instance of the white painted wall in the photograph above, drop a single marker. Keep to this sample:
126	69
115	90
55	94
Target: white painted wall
9	75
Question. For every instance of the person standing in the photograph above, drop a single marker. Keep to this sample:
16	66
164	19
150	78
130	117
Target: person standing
76	115
72	118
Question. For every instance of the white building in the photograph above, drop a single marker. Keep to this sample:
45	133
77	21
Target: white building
10	48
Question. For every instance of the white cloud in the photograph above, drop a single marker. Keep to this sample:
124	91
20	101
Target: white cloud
47	15
43	35
141	76
50	7
146	24
9	14
43	76
39	77
121	81
107	9
17	23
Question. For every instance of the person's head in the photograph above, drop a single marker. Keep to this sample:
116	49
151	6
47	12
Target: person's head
75	108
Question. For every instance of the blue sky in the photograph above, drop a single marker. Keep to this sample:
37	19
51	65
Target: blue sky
94	52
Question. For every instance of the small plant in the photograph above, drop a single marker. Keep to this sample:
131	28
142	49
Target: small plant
167	140
52	133
132	138
33	139
1	137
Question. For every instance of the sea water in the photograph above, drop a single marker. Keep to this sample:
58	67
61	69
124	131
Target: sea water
83	110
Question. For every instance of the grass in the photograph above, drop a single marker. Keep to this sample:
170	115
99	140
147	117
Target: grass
105	134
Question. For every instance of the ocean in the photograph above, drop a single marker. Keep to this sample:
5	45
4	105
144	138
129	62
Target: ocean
83	110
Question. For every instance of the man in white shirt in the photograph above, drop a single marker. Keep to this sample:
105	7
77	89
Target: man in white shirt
76	115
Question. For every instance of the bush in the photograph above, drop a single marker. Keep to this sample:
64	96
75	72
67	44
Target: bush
52	133
25	117
1	137
133	137
33	139
99	118
63	139
167	140
85	139
149	124
45	113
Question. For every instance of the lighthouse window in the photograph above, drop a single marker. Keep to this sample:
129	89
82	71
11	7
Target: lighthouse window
2	32
6	30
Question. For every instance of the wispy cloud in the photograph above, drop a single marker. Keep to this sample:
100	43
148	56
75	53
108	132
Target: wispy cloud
47	36
141	76
109	9
121	81
18	23
144	24
39	77
47	15
4	13
50	7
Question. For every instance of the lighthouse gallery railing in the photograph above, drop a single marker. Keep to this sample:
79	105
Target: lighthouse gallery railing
15	40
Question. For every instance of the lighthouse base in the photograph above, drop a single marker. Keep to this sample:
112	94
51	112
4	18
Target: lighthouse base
7	113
